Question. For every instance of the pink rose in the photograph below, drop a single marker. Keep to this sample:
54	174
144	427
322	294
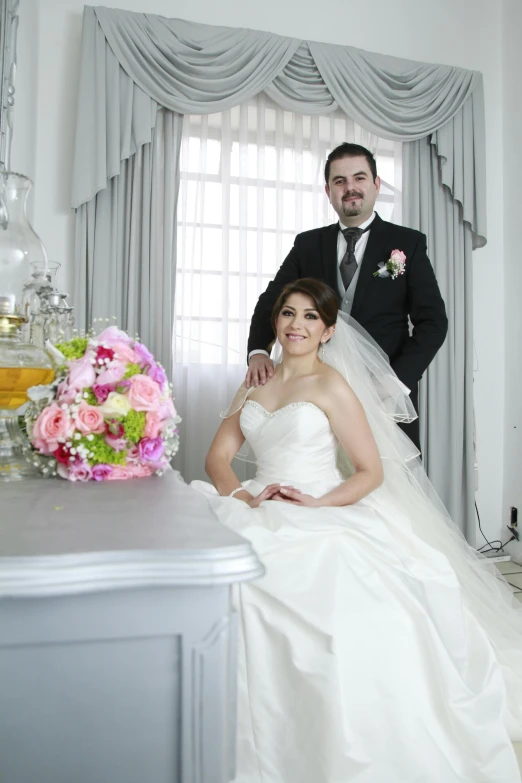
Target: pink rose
63	471
143	354
398	256
153	424
67	394
151	449
101	472
144	393
112	335
61	390
157	374
124	472
114	373
124	353
118	444
101	392
79	471
166	409
133	454
141	471
81	372
89	419
119	473
51	427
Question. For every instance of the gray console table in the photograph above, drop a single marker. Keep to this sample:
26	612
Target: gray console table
117	636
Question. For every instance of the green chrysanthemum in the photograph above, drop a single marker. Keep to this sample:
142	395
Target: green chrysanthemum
132	369
91	398
74	349
134	424
103	454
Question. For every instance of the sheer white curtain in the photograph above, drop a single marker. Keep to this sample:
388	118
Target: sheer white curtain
250	179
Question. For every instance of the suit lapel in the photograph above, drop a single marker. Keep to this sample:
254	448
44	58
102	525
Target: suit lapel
329	255
375	252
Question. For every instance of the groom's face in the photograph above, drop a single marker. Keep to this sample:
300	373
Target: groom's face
351	190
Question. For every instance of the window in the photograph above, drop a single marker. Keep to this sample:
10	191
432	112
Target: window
251	178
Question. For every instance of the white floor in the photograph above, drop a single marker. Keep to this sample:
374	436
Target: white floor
518	753
513	573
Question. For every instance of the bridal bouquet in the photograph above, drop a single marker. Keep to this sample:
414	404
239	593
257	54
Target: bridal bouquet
108	414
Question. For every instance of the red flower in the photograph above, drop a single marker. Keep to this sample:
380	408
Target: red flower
62	454
104	353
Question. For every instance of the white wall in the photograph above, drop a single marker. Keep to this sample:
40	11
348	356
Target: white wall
512	124
466	33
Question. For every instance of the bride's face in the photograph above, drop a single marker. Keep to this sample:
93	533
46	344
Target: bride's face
300	328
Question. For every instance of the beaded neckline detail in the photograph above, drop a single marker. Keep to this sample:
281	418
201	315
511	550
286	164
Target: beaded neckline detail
270	414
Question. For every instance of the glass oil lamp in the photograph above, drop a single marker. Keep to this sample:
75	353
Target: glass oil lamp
22	364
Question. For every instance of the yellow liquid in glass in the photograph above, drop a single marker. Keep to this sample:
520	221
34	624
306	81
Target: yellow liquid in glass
14	382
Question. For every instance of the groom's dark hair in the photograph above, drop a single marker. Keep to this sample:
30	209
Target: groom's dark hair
325	299
348	150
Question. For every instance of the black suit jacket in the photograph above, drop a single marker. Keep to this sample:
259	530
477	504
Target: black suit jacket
381	305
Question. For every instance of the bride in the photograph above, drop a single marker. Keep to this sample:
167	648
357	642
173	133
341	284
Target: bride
378	647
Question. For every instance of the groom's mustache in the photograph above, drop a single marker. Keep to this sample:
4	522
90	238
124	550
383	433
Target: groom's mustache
352	194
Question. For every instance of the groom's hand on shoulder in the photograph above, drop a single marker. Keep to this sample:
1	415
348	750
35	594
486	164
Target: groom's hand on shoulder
260	370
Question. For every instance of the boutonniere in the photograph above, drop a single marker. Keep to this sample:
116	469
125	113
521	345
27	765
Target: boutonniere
394	266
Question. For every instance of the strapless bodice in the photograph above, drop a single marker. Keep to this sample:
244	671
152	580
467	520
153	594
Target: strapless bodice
292	445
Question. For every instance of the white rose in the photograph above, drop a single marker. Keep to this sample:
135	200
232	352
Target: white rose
115	405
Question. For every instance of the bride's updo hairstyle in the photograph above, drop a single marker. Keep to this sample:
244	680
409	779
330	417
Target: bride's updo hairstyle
324	298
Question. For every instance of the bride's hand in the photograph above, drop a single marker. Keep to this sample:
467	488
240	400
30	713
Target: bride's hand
295	496
268	493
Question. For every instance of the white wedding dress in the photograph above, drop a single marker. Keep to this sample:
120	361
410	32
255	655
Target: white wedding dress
377	648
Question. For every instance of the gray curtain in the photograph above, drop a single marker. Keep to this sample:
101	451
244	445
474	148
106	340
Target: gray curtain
126	242
446	390
133	64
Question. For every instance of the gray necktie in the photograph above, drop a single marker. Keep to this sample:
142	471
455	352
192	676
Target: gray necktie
348	265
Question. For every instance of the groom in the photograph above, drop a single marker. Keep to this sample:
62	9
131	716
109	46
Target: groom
346	255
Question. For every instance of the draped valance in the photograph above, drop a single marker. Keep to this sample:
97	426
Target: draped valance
132	64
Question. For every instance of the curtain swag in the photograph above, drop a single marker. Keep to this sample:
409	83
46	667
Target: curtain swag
133	64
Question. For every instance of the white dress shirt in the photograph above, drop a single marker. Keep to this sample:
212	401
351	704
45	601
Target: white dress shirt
360	247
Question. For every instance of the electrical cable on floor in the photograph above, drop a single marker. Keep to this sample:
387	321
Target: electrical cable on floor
490	544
